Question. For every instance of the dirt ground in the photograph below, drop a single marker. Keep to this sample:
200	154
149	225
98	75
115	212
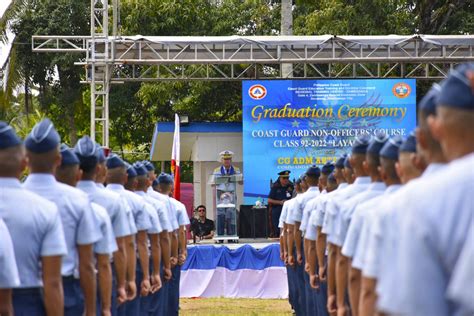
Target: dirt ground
227	306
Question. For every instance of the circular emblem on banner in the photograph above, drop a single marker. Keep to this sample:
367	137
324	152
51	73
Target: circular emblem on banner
401	90
257	92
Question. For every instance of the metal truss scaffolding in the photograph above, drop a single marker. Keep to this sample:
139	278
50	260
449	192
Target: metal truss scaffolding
110	59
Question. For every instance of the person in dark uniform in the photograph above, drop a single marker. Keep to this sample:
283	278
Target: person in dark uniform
281	191
202	227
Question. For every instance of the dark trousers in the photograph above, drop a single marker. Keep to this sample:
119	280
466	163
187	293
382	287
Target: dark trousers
276	212
73	297
28	302
173	295
133	307
300	287
157	303
292	296
310	294
322	295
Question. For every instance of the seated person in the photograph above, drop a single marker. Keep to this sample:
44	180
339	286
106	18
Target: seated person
202	227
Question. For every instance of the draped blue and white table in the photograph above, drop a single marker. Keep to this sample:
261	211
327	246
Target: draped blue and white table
245	272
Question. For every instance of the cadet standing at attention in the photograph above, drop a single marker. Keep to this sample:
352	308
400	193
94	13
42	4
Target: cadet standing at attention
86	151
434	224
81	229
36	232
69	173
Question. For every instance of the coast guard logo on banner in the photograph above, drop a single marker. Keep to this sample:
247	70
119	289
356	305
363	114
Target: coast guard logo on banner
401	90
257	92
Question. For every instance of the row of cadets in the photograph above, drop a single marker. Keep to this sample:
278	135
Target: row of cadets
81	229
93	169
148	278
376	188
160	245
332	224
318	288
69	173
284	248
37	236
139	221
317	298
294	219
435	228
162	195
183	220
319	277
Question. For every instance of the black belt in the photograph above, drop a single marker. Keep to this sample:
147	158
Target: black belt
28	291
68	278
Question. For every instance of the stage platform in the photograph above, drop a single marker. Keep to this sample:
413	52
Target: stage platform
250	269
256	243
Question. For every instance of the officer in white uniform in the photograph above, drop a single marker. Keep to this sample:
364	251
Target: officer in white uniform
86	151
434	224
81	229
68	173
36	232
9	277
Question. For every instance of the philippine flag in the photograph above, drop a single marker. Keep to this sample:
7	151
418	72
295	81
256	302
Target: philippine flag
175	160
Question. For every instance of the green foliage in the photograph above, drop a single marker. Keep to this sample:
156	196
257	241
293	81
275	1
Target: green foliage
135	108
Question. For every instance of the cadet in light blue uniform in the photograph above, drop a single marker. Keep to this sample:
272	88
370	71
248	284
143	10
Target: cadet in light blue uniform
116	179
67	173
36	232
183	221
386	224
9	277
434	224
80	227
151	304
86	151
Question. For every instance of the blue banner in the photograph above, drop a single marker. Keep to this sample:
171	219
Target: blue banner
291	124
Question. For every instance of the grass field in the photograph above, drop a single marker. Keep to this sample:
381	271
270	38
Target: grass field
227	306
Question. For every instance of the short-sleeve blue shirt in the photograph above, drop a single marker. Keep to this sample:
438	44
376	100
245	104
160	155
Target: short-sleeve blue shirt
107	244
9	277
35	228
79	223
112	203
